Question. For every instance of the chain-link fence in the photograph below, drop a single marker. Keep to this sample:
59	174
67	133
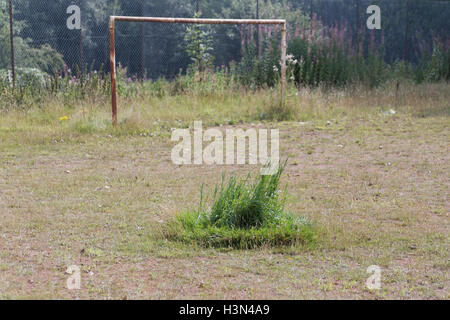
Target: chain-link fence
77	30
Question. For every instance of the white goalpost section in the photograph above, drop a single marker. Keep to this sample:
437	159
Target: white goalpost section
113	19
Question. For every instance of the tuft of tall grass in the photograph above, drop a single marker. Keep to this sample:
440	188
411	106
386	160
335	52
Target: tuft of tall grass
245	214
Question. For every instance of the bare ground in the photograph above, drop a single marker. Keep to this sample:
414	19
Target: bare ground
377	187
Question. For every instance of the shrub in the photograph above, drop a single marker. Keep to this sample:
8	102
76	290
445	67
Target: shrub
44	58
256	72
435	66
26	77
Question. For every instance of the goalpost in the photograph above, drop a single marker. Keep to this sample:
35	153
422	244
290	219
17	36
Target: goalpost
113	19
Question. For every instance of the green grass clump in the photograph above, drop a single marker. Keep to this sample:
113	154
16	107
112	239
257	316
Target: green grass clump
244	215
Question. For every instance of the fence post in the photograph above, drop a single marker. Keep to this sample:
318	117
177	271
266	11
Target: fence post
142	76
112	58
405	54
358	26
81	39
283	62
258	35
11	36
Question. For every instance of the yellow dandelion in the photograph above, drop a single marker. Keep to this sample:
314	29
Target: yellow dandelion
64	118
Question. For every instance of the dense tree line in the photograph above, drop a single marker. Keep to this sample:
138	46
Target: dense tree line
43	39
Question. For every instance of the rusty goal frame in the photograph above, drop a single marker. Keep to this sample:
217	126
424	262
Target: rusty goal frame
113	19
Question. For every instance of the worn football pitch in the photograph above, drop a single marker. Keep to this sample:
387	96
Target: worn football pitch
74	191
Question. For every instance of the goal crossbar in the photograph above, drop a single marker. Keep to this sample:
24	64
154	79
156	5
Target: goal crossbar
113	19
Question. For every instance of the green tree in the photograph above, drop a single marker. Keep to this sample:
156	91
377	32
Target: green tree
4	37
199	46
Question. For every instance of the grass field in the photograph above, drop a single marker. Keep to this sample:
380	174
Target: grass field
75	191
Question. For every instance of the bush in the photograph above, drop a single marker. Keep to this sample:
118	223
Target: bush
256	72
435	66
243	215
44	58
311	64
26	77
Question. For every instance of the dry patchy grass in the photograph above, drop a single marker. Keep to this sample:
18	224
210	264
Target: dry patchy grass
80	192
